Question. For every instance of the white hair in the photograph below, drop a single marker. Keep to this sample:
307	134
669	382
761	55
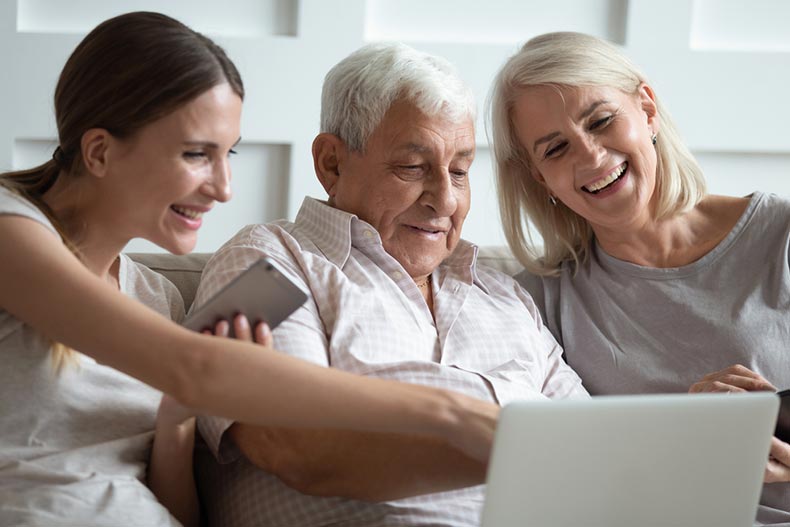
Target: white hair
360	89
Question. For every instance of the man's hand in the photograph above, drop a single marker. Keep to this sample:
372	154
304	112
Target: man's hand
357	465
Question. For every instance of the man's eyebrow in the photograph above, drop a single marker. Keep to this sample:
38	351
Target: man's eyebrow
586	113
465	153
422	149
413	147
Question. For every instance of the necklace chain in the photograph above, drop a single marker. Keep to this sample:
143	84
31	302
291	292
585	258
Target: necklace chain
424	283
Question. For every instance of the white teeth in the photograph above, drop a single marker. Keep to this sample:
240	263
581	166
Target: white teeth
608	180
189	213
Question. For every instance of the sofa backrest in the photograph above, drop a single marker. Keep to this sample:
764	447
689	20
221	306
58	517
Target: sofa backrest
184	271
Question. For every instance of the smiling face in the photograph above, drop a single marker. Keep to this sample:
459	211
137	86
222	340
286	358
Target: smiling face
411	184
591	148
161	180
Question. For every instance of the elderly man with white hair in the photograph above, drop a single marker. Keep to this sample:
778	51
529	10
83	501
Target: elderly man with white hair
396	294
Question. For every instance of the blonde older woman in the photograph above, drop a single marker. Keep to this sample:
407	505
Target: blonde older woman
648	282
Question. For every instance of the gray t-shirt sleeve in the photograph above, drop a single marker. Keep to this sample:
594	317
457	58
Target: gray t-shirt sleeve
544	291
13	204
151	289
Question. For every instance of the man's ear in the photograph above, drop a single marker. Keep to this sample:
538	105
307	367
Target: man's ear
94	147
329	151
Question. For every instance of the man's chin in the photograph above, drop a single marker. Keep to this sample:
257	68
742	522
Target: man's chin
422	265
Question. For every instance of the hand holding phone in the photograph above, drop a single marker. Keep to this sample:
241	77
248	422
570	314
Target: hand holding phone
262	293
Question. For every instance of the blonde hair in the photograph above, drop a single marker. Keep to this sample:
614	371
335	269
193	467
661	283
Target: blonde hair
573	60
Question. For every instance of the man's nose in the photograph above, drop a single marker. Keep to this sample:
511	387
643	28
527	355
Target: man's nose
439	193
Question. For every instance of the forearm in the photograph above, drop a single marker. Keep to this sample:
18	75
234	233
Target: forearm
218	376
365	466
170	474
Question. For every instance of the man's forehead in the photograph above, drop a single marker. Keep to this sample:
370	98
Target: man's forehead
424	148
424	134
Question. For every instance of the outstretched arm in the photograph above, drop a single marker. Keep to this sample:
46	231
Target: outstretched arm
44	285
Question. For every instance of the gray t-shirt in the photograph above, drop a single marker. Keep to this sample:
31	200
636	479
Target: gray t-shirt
631	329
74	446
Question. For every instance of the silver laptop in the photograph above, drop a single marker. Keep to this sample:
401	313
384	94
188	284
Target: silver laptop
647	460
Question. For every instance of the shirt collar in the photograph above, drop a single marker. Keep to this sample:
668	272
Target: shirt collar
334	232
464	261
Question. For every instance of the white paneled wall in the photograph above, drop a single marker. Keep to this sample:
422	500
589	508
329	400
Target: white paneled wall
722	67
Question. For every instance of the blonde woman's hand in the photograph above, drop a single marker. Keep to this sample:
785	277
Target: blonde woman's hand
778	468
736	378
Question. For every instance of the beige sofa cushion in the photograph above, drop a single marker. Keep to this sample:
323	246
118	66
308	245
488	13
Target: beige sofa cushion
184	271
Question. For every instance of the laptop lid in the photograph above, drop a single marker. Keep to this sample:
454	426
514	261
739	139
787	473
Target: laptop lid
646	460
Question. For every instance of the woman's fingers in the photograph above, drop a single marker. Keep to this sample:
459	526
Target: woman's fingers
260	334
263	335
778	468
222	328
735	378
241	326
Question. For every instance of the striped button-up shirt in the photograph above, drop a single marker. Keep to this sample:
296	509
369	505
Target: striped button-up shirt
366	315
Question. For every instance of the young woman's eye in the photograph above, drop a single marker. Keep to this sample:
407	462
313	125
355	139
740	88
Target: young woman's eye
232	152
194	155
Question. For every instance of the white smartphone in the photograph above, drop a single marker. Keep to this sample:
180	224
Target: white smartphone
262	293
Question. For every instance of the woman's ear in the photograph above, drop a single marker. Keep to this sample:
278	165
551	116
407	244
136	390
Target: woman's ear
647	101
94	147
328	153
537	176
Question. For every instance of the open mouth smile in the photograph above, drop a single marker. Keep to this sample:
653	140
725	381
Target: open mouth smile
187	213
429	231
611	179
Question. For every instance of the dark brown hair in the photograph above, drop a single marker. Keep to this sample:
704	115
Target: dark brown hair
128	72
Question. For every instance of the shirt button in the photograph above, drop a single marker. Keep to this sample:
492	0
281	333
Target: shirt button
397	275
369	234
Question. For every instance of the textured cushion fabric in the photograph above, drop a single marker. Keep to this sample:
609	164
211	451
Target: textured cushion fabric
500	258
184	271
